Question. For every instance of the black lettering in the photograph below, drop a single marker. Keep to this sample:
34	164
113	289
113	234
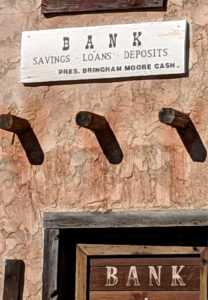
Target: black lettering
69	71
57	59
97	57
95	70
89	43
137	53
126	54
138	67
66	43
63	59
35	61
67	58
136	41
165	52
159	52
112	40
149	53
41	61
172	65
108	56
47	59
105	56
131	54
90	57
143	53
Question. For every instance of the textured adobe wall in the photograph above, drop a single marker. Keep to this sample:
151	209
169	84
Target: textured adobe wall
156	172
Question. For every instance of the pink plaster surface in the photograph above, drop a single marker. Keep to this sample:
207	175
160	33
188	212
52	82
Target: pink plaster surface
156	172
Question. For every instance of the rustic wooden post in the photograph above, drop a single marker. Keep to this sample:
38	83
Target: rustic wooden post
14	280
174	118
27	137
105	136
50	267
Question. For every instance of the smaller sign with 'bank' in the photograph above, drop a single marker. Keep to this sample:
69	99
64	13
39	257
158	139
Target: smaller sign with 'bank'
114	51
140	272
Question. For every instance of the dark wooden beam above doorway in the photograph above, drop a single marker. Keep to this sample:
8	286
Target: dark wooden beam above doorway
166	218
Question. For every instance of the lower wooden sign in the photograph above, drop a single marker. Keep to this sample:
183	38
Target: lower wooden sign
61	6
110	272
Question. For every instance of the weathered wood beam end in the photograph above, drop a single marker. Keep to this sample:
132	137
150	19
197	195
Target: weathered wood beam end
14	124
174	118
91	121
27	137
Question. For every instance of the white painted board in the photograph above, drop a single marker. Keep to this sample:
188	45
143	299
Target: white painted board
113	51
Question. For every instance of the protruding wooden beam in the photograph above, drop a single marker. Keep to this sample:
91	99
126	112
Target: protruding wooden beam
91	121
105	136
174	118
187	132
27	137
14	124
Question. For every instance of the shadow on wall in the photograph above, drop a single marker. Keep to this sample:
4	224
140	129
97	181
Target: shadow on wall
187	132
193	142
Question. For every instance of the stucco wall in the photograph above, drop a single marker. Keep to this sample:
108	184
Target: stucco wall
156	172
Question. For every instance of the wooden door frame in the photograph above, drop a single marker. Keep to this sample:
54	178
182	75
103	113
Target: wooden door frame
55	221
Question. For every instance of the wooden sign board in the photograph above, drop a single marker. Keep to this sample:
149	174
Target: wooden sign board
63	6
141	272
133	50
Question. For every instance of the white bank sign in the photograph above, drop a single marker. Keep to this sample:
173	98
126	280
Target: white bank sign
127	50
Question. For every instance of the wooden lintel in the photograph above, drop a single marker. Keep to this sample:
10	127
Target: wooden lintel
174	118
142	219
14	124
